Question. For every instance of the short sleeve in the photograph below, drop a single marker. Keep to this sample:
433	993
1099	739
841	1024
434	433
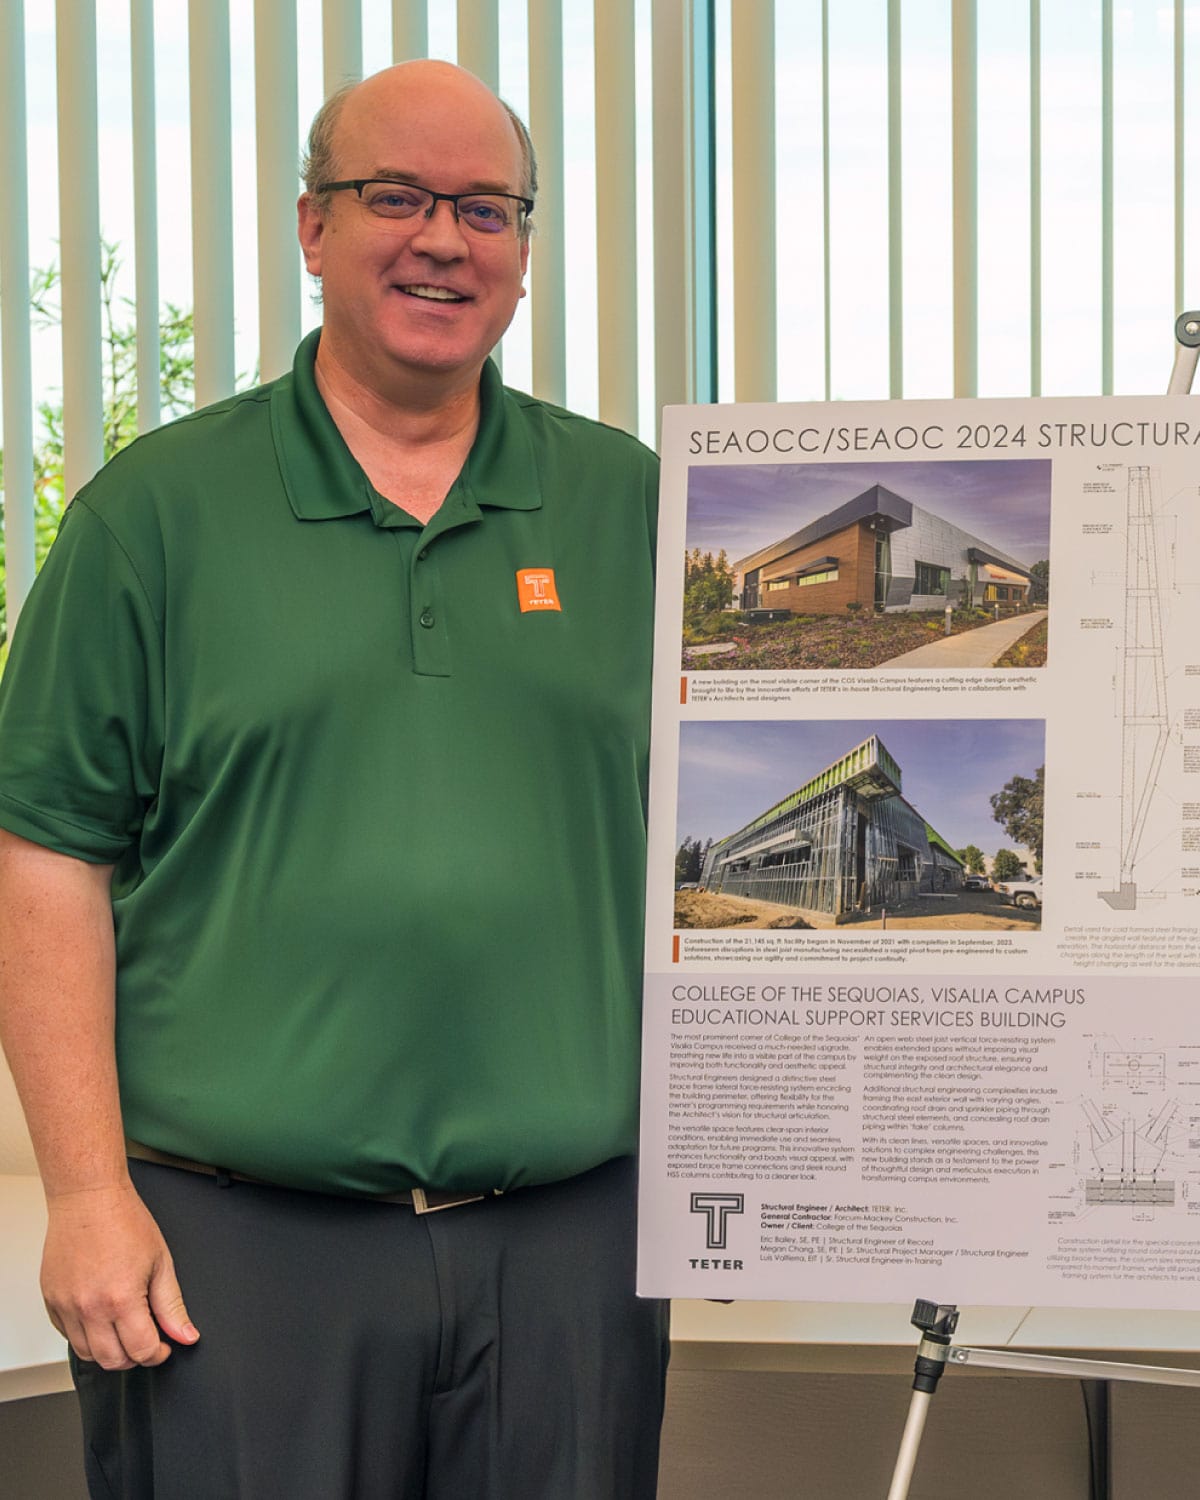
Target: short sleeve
81	699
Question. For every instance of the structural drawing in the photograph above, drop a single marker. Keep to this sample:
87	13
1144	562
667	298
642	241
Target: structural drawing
1128	1154
1143	683
1135	1143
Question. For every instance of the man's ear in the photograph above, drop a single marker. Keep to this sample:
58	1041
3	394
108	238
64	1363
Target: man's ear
310	229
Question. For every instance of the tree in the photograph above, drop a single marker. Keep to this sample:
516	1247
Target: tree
119	367
972	857
707	584
119	355
1019	808
689	861
1039	590
1006	866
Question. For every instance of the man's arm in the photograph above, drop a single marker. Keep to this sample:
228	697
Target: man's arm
107	1275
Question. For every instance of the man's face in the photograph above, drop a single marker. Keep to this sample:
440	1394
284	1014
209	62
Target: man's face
421	296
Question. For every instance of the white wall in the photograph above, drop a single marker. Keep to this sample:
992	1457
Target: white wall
16	1154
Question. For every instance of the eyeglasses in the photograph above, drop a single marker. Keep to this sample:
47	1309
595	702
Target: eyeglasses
485	213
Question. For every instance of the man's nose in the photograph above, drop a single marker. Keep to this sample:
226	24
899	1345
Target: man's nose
439	233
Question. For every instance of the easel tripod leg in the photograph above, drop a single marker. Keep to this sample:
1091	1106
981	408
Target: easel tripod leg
937	1322
1097	1402
910	1442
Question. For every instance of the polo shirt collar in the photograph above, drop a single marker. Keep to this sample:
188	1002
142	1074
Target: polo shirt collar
324	480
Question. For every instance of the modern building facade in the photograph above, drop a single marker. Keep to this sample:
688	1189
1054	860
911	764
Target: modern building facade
879	551
844	841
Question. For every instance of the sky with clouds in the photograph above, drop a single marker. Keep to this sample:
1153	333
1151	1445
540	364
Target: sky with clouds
731	772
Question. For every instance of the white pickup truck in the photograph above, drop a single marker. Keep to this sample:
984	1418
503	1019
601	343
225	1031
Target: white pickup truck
1023	892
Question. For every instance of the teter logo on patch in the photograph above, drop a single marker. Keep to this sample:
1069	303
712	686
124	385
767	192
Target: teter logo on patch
535	589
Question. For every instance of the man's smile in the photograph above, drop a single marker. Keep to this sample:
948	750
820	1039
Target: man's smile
433	293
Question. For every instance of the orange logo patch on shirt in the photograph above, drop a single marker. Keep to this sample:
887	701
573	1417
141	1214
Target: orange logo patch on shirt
535	589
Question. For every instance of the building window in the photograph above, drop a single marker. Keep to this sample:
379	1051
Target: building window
931	579
906	863
772	585
883	568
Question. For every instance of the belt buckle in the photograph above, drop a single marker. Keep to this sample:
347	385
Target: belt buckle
422	1205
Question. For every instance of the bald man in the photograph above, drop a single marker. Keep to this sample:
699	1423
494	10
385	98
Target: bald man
322	781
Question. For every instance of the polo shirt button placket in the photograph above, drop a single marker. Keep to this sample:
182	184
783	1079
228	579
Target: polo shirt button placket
427	620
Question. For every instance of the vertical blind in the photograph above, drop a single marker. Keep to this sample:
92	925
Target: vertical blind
16	372
801	201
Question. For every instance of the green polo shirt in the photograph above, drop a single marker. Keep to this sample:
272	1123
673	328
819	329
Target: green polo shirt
374	791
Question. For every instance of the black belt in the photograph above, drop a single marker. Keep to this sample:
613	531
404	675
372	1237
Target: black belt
420	1200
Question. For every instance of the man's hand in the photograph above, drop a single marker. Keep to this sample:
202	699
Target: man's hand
107	1274
108	1279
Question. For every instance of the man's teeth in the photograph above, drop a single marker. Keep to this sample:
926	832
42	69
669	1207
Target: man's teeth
435	293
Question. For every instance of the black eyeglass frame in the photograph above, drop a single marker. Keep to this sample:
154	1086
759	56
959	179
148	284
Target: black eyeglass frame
356	185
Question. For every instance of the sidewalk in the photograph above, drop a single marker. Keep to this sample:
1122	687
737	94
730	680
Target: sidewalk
973	648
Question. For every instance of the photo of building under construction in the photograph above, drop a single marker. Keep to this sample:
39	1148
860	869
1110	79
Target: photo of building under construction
861	832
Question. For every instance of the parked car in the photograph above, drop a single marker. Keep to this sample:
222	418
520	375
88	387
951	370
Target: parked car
1023	892
976	883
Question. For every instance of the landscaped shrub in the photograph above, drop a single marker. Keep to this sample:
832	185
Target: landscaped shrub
718	625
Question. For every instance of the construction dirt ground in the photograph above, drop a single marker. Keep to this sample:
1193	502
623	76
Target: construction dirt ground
959	910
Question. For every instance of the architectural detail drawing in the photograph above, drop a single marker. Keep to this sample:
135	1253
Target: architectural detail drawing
1128	1158
1136	1146
1143	686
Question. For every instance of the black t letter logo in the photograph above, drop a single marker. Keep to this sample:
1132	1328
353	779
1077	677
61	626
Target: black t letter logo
718	1207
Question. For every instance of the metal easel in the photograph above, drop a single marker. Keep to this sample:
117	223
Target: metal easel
937	1352
937	1321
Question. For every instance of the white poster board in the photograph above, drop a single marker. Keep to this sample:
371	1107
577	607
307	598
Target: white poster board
867	1078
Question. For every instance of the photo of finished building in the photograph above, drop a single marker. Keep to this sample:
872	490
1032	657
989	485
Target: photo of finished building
845	841
878	551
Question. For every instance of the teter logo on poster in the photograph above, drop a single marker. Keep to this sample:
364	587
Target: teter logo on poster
717	1208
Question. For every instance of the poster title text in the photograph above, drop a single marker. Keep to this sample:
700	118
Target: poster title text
971	437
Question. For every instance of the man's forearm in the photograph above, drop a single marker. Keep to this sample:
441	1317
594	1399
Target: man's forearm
107	1276
56	1012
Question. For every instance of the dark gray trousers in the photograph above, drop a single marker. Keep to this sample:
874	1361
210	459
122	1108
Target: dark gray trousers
353	1350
